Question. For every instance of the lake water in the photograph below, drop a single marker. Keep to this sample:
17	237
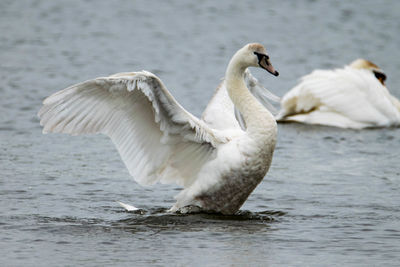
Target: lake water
331	197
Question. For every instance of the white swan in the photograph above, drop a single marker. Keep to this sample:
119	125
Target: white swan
216	162
352	97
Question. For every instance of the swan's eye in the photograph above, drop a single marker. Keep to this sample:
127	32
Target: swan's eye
261	56
379	75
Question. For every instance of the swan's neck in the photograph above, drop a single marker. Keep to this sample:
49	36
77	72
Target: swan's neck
258	119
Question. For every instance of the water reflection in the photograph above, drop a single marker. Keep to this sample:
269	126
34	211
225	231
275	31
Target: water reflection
159	220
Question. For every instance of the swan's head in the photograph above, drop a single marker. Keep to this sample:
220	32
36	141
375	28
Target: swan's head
368	65
255	55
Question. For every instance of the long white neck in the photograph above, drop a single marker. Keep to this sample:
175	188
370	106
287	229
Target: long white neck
258	119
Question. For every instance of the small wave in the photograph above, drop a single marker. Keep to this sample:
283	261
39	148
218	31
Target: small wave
159	219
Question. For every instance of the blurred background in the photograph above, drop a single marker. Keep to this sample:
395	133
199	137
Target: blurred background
331	197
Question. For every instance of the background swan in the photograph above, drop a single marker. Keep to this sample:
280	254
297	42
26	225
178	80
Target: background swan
217	162
352	97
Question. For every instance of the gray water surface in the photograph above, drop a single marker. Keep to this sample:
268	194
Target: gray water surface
331	197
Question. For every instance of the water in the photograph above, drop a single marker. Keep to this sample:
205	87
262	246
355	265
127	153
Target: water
330	198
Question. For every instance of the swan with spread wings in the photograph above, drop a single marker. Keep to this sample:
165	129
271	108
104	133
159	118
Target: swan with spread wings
218	159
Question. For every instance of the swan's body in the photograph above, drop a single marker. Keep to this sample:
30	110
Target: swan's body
217	162
352	97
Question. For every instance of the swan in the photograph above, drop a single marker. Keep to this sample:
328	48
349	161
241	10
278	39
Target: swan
351	97
217	160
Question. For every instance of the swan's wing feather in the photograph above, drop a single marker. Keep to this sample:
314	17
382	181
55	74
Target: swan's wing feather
157	139
222	114
353	94
266	97
261	93
219	112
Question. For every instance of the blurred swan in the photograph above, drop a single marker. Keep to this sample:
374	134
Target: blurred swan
218	160
352	97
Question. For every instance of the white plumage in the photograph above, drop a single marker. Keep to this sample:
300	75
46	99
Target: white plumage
217	162
352	97
222	114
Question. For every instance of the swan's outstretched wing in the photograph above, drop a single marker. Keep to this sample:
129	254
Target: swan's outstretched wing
220	112
157	139
350	98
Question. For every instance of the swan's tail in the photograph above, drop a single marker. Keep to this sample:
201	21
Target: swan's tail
127	207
